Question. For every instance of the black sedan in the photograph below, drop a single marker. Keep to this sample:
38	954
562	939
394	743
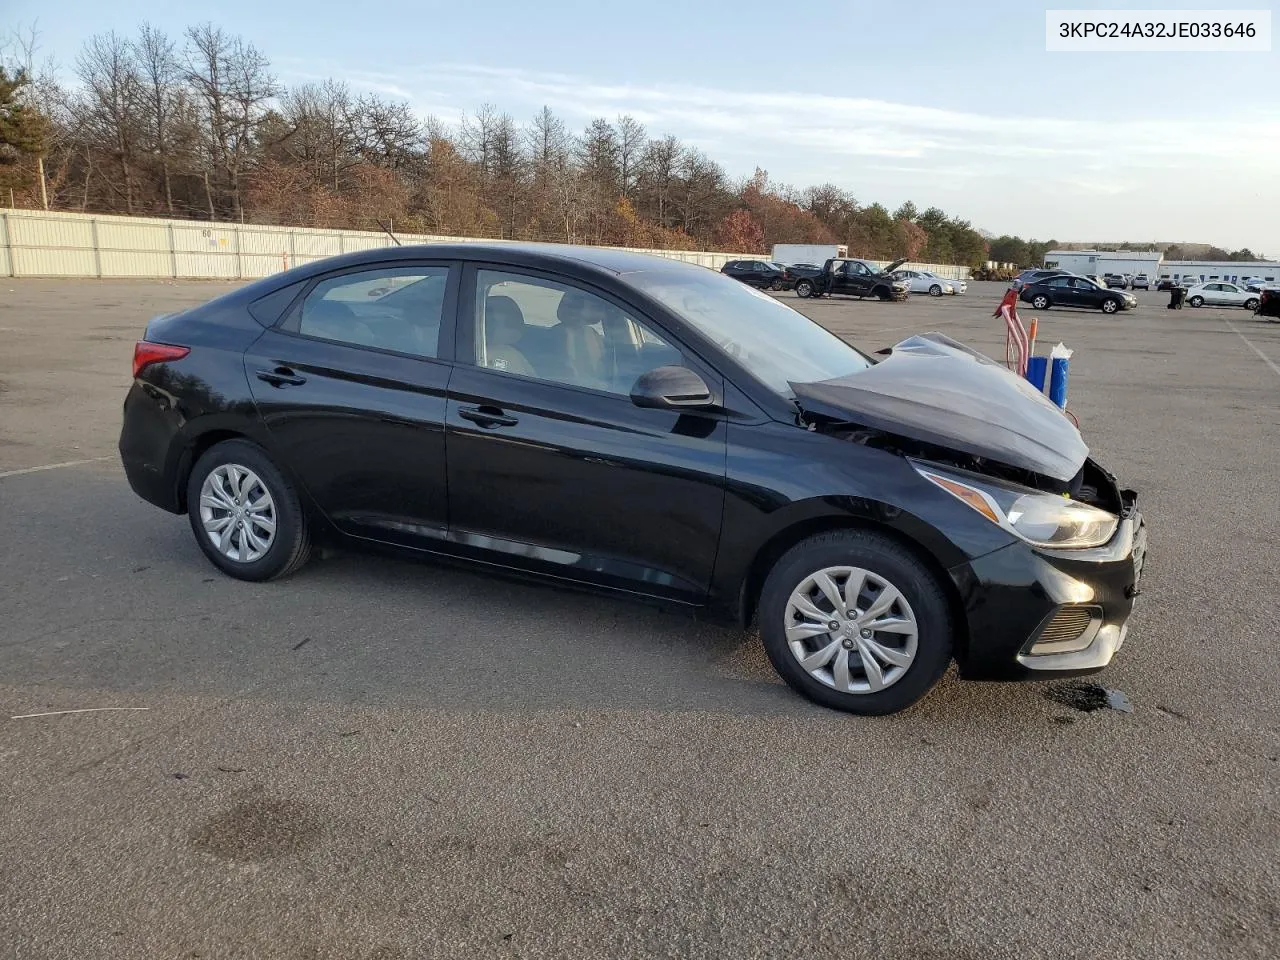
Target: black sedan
1073	291
760	273
609	419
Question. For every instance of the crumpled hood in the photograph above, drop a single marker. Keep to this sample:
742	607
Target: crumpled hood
936	390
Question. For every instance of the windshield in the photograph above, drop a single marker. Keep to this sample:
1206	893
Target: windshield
777	344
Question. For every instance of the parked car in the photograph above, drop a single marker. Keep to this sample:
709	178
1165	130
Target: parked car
615	420
1188	281
1258	284
1114	281
759	273
1094	278
1221	293
1140	282
1031	276
1166	283
1067	291
923	281
1269	304
855	278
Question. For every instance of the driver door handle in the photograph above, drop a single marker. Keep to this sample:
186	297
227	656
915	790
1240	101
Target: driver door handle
281	377
487	417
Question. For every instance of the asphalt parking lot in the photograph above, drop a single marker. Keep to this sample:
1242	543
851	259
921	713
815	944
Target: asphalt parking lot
377	759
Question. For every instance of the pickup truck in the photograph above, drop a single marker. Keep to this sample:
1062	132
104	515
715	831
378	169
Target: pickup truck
854	278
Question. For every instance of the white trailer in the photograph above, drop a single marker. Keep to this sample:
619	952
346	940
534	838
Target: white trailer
815	253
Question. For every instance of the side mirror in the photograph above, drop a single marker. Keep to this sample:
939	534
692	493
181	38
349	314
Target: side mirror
668	388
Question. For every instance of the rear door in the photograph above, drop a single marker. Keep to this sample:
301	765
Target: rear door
351	385
551	467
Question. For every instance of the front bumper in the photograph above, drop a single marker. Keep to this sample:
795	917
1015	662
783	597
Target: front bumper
1034	612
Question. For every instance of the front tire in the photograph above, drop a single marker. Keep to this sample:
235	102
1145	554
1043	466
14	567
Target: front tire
1251	304
1040	302
1196	301
1110	306
853	621
804	289
935	291
246	517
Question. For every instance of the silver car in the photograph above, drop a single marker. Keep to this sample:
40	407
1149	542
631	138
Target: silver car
922	281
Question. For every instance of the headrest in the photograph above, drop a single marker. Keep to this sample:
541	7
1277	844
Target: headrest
504	323
578	309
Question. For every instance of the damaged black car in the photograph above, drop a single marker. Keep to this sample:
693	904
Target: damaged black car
633	424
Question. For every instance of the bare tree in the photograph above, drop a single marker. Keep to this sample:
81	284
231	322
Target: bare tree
160	76
632	140
112	100
658	172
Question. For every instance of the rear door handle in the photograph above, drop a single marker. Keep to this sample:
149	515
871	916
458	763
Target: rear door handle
488	417
281	377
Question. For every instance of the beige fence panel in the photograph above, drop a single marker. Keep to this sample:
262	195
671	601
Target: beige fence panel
38	243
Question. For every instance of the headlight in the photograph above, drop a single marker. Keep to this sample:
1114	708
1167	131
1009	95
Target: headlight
1042	519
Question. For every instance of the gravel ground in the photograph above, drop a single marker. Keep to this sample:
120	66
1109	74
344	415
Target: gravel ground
378	759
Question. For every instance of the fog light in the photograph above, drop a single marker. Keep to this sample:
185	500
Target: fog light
1067	630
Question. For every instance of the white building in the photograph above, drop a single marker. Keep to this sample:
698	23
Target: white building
1100	262
1204	270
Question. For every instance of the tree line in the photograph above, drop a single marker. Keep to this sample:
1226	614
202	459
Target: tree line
198	126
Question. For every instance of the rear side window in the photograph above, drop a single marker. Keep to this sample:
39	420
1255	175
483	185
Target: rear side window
385	308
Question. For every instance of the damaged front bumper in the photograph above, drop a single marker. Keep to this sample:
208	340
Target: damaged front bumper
1033	612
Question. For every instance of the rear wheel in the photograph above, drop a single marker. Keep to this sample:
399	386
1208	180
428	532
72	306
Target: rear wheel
804	288
851	620
1110	305
245	515
776	285
1040	301
1196	301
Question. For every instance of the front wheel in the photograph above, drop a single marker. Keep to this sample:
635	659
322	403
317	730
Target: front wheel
245	515
1251	304
1110	306
1040	302
852	620
804	289
1196	301
935	291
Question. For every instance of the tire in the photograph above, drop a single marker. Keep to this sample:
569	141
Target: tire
1040	302
1251	304
935	291
776	285
1110	305
1196	301
882	293
804	288
286	549
920	600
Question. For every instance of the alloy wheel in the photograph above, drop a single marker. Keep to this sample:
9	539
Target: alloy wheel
1109	306
1040	303
237	512
851	629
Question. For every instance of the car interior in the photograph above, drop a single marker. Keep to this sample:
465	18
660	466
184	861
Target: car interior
564	335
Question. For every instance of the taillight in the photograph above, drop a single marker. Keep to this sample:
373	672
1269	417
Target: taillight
146	353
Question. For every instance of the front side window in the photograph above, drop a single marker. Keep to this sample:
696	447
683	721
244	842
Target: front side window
558	332
387	308
778	345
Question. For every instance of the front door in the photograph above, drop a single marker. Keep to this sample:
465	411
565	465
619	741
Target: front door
552	468
351	385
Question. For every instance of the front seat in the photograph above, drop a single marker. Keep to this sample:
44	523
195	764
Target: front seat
579	347
503	329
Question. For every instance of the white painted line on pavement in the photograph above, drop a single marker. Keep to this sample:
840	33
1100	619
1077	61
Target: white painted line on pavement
1265	359
69	463
61	713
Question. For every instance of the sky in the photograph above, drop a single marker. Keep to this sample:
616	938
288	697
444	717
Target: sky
945	104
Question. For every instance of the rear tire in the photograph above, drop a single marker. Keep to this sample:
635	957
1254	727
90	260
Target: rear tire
245	515
909	666
776	285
